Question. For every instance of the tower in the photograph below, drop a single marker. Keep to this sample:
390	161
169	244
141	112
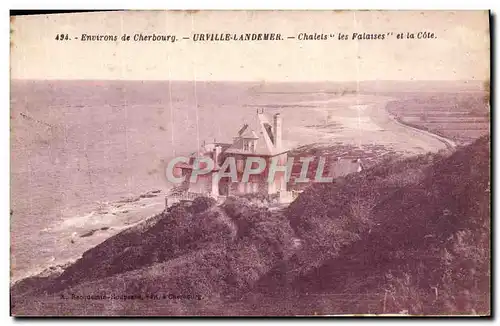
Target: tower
215	180
277	128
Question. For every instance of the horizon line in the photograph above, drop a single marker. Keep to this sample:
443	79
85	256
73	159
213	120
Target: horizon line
256	81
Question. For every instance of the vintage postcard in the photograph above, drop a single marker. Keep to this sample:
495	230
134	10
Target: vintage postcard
250	163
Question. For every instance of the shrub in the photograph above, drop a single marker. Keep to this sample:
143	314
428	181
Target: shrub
201	204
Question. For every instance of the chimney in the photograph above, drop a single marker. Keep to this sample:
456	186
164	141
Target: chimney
277	131
217	151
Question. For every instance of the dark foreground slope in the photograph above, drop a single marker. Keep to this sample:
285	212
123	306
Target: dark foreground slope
182	261
409	236
412	236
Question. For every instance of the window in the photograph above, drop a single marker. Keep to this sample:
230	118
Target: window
246	145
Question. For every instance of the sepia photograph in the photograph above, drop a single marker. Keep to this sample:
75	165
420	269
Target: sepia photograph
250	163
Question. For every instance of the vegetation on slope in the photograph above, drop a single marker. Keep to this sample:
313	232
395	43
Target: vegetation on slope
199	250
406	236
414	233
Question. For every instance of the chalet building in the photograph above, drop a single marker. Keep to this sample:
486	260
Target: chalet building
260	137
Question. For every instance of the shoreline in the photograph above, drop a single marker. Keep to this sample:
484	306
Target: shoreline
450	144
83	232
88	230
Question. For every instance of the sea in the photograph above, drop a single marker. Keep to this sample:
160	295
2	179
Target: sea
77	144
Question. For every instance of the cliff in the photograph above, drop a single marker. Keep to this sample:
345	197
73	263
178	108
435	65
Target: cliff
405	236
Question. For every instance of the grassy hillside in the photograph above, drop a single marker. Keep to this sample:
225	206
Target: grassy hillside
405	236
414	234
201	251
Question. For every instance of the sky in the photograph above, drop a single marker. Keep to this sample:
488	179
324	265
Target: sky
460	50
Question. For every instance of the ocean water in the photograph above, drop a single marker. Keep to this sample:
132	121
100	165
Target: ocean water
77	143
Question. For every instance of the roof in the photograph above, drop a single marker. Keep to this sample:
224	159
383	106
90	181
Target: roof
246	132
223	146
256	153
260	129
183	165
249	134
344	166
202	154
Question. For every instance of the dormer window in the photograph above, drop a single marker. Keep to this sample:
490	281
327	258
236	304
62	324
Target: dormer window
249	145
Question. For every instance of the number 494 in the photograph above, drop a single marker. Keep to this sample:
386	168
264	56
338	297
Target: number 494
62	37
